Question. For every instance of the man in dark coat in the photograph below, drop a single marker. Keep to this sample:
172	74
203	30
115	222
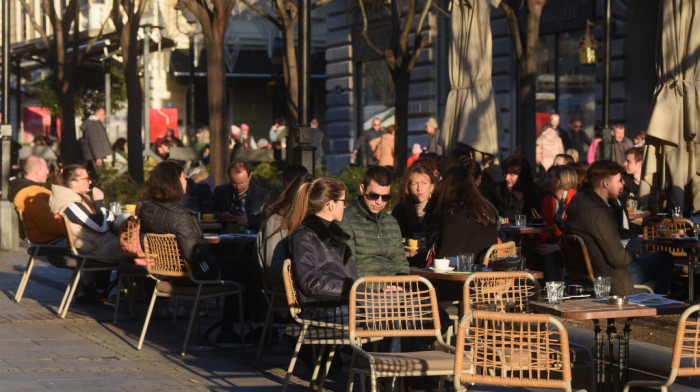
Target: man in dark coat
239	203
363	142
590	216
95	143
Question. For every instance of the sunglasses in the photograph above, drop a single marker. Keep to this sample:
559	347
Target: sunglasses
374	196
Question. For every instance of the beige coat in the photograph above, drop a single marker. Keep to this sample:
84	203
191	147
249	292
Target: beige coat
384	152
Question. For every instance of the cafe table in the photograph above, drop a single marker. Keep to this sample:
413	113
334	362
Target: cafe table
517	231
209	226
230	238
692	248
599	311
455	276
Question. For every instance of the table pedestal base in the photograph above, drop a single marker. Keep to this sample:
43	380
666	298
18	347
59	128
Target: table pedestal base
611	375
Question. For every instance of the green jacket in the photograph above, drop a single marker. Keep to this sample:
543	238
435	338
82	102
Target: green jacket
375	241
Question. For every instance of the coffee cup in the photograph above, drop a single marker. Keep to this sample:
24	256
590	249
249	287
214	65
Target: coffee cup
208	217
130	208
412	243
442	264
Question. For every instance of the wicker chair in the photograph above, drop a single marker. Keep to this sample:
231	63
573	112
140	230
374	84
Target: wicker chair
498	251
36	251
685	361
519	350
577	262
409	309
651	231
167	267
508	292
313	332
79	263
130	252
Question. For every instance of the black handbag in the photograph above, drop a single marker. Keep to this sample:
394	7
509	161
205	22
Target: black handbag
510	263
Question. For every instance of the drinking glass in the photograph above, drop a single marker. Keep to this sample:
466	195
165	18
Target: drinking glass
555	292
521	220
115	207
465	261
677	213
601	285
631	206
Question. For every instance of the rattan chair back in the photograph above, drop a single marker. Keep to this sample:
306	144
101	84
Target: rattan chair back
508	292
576	260
163	256
388	306
129	241
499	251
69	235
290	288
23	233
524	350
686	349
651	231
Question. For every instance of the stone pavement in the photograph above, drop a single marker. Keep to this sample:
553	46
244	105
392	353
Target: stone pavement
86	352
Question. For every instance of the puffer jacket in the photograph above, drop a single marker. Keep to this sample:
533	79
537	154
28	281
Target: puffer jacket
591	218
33	199
91	231
171	218
322	266
375	241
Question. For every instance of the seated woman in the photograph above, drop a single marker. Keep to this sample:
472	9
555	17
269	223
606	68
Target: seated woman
417	188
517	195
162	213
90	221
323	268
465	220
561	182
273	237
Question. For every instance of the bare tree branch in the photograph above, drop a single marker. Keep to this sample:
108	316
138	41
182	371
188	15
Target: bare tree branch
423	15
319	3
514	29
419	45
364	29
403	39
35	24
262	13
440	10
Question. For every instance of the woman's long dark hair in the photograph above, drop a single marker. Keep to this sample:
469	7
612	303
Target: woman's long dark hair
286	207
409	201
164	183
458	189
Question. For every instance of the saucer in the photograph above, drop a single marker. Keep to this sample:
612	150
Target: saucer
411	248
448	269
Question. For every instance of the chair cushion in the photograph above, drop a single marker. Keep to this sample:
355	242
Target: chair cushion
418	361
71	262
185	287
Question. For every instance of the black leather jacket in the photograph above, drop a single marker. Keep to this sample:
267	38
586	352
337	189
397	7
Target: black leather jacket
322	266
172	218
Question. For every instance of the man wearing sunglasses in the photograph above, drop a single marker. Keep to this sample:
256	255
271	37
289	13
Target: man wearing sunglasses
375	236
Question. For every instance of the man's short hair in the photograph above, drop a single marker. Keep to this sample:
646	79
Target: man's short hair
566	157
31	163
379	174
601	170
238	166
292	171
638	153
619	126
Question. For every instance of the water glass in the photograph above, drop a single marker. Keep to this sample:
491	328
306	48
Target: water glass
631	206
521	220
465	261
676	213
115	207
555	292
601	285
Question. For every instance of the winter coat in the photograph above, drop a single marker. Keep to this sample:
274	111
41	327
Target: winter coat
322	267
619	149
547	146
591	218
460	232
91	230
375	241
549	211
517	201
172	218
433	143
384	153
273	250
33	199
95	143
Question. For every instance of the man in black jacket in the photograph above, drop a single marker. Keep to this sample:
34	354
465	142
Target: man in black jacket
239	204
591	217
95	144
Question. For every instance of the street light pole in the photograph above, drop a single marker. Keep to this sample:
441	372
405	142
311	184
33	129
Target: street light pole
303	152
148	24
607	137
9	237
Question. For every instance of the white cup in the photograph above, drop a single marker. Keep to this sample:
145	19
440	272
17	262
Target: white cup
442	264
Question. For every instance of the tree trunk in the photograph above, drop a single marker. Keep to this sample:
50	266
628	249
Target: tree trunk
216	84
134	96
528	81
66	106
291	81
401	80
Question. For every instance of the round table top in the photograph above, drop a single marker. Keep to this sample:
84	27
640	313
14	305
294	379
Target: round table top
456	276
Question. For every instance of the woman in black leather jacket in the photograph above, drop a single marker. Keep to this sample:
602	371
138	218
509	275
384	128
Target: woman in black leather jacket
162	213
322	264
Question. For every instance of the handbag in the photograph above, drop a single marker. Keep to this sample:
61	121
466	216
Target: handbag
130	241
510	263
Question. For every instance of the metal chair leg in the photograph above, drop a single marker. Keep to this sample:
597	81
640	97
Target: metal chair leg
266	327
329	362
317	366
293	361
148	319
65	294
25	276
119	292
189	327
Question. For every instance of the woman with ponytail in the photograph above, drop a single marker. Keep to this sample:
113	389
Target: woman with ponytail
322	263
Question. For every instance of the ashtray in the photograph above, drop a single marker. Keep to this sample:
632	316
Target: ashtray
616	300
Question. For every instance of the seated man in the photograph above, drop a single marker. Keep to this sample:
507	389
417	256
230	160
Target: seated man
29	195
375	236
591	217
239	204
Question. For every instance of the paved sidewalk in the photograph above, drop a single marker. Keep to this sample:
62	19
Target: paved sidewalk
86	352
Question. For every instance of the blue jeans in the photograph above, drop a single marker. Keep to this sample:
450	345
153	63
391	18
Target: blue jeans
656	267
